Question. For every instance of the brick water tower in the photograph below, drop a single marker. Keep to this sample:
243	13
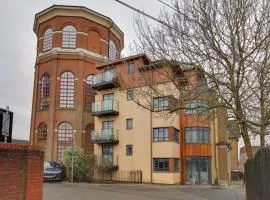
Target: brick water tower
71	42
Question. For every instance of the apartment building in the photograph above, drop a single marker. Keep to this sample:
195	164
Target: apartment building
84	95
183	146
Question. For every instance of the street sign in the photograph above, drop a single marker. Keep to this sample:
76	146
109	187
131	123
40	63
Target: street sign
5	123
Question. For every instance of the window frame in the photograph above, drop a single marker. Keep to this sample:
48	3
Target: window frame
196	107
160	103
64	138
131	68
130	95
42	133
112	54
161	134
67	90
47	40
197	135
129	150
69	37
158	161
44	92
127	124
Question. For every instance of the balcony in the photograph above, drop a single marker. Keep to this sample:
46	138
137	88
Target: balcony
104	136
105	80
107	162
105	108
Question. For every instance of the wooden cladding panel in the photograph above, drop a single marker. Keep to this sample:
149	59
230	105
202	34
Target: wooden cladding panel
198	150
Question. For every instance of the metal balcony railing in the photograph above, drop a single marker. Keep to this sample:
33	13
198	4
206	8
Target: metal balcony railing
104	136
107	162
105	80
105	108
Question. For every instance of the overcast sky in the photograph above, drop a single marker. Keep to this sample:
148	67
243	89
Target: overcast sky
18	44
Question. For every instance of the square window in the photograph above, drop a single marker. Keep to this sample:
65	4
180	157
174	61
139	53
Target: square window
129	95
131	68
129	123
129	150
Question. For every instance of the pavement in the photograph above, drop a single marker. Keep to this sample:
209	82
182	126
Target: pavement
85	191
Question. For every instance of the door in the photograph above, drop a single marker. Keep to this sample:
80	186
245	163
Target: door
198	170
107	128
107	155
107	102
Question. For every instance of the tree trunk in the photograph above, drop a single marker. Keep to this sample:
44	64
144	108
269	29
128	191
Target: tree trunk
246	139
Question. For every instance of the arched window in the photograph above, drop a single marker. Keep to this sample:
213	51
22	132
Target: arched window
45	92
42	132
89	92
69	37
112	51
64	138
67	90
47	40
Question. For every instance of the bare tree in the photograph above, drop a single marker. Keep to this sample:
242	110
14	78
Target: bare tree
229	41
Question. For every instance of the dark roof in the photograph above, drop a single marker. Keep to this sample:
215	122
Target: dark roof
19	141
126	59
75	7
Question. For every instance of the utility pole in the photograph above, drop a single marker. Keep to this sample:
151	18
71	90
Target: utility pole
72	160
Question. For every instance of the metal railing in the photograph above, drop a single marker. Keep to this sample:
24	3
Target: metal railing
105	106
107	76
107	162
134	176
104	135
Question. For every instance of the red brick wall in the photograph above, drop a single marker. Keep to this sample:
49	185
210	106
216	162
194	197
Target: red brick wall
21	172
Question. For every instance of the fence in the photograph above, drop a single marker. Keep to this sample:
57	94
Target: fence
117	176
257	175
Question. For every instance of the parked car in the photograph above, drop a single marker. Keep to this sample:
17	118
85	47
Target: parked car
54	171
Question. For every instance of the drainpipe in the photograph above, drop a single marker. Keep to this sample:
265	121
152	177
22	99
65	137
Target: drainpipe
215	146
151	140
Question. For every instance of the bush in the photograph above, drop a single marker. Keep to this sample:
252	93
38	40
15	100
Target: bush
83	164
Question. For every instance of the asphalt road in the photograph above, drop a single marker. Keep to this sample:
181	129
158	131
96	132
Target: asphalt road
67	191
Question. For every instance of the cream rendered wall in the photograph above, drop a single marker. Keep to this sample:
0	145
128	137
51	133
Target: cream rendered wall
166	178
139	136
166	150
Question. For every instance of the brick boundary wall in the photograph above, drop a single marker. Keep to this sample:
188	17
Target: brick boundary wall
21	172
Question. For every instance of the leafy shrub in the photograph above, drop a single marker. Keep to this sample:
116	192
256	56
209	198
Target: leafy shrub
83	164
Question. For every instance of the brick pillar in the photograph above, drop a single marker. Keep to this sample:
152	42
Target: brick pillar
21	172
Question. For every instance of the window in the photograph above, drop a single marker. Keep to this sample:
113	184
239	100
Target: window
47	40
129	123
42	132
69	37
160	103
64	138
67	90
160	134
161	164
45	92
199	135
112	51
194	107
129	95
131	68
129	150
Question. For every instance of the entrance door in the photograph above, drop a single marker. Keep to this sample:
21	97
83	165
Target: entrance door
108	102
107	155
198	170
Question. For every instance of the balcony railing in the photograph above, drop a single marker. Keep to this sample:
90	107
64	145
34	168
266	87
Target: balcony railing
105	80
105	108
105	136
107	162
